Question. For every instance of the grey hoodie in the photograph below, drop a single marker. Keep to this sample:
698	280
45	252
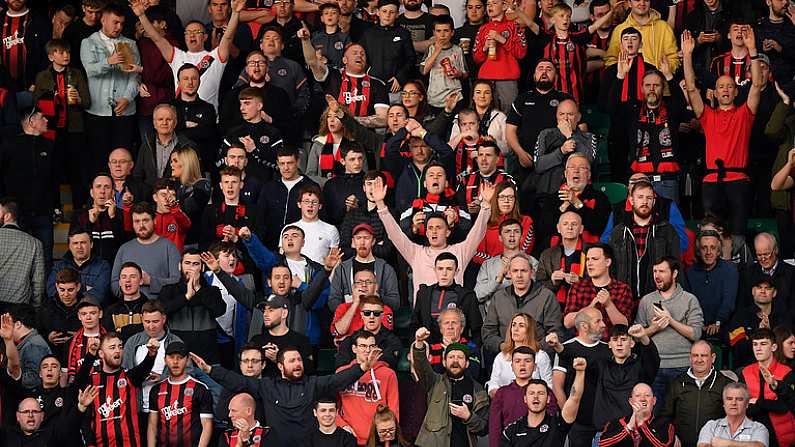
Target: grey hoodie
673	347
540	303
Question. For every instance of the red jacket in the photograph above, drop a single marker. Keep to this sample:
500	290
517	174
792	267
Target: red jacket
173	226
506	66
358	401
783	423
491	246
157	76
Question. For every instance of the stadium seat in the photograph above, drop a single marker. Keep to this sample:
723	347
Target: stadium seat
756	226
325	361
616	192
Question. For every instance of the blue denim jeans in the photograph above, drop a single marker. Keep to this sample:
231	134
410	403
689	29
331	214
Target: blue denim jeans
668	189
661	382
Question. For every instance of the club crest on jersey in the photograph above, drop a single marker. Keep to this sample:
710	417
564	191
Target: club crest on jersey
451	306
544	428
467	398
264	139
121	383
256	439
282	72
172	228
338	45
554	103
365	83
59	402
505	34
189	392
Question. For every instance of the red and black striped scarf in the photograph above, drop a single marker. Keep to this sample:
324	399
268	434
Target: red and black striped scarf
77	350
465	162
448	196
350	87
640	71
576	266
329	160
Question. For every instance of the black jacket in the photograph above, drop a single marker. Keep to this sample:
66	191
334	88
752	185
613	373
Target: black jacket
107	233
275	100
783	278
288	404
205	134
662	240
66	426
336	190
125	317
390	53
194	320
465	300
386	340
262	160
24	158
617	379
745	321
54	316
218	215
277	207
700	20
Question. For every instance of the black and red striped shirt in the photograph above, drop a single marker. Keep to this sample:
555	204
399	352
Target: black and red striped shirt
258	437
594	78
726	64
570	61
359	93
14	53
180	407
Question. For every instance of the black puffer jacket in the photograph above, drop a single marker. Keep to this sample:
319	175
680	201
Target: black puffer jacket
390	52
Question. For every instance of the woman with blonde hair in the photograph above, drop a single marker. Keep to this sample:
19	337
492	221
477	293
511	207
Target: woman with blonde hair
329	146
193	191
385	430
504	205
521	332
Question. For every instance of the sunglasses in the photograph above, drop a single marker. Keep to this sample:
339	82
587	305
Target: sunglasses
372	313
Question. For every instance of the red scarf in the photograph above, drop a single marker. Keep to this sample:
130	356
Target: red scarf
577	266
77	351
464	161
641	71
419	205
330	161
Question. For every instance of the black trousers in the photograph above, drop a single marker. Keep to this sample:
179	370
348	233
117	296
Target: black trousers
106	133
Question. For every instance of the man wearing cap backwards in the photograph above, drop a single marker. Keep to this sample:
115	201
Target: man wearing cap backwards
89	313
277	335
289	398
458	406
766	312
343	284
180	407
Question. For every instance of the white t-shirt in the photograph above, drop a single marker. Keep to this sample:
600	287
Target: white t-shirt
227	320
319	237
160	366
298	268
210	78
290	183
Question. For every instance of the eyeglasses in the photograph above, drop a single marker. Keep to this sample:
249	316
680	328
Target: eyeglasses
409	93
387	431
257	63
367	347
194	33
764	255
29	412
250	361
281	2
578	168
364	282
506	198
120	162
310	202
372	313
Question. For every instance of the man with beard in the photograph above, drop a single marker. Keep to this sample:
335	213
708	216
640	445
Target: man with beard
653	123
211	64
257	73
599	290
587	345
673	319
350	23
180	407
192	306
289	397
114	421
541	429
640	429
344	286
714	281
418	23
775	32
157	256
629	88
374	321
367	213
727	129
531	112
639	240
195	116
102	219
458	406
352	87
276	335
575	194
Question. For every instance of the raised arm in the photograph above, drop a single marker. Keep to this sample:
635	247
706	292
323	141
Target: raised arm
13	367
783	180
690	74
572	405
166	49
231	28
757	82
318	68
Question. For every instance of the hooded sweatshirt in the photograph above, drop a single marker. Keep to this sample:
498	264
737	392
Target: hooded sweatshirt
358	401
657	40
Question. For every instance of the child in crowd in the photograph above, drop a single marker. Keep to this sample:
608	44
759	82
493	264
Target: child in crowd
443	63
330	41
170	222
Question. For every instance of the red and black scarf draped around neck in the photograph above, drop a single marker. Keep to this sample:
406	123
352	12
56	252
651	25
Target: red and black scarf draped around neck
330	162
447	196
576	266
640	71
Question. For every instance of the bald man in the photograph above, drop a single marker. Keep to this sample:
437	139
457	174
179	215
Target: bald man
126	189
64	427
640	424
556	144
247	430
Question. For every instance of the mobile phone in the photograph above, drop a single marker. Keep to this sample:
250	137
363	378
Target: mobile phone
658	305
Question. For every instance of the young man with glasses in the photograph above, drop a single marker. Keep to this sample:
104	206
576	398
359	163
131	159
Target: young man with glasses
347	306
373	321
252	363
325	236
359	401
211	64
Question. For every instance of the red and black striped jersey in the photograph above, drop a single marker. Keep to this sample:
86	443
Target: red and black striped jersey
14	53
570	61
114	420
180	407
359	93
258	437
594	78
726	64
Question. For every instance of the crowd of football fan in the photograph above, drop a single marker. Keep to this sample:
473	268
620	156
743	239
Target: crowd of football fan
438	223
